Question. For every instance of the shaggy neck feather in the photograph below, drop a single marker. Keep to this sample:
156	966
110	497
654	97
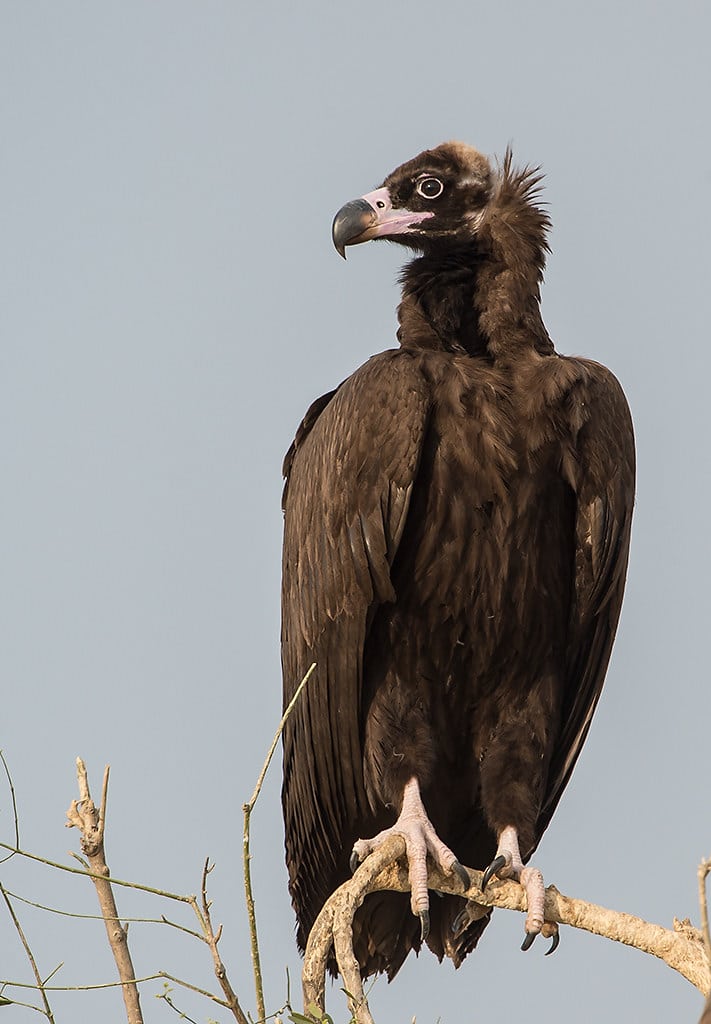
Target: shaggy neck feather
482	297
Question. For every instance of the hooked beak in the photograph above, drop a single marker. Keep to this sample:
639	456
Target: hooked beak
372	216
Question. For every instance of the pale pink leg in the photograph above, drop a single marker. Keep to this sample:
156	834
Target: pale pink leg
508	864
420	840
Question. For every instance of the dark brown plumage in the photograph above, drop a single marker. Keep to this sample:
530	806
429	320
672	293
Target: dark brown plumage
457	524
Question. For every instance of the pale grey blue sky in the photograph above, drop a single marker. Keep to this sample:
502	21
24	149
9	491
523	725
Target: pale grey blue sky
171	304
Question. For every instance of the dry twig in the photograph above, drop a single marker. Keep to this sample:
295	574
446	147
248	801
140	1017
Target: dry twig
212	937
84	815
15	819
246	856
38	978
704	870
81	815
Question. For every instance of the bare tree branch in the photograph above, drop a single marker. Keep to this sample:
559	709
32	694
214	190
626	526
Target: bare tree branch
212	938
89	874
684	948
90	820
13	799
704	869
681	948
38	977
246	856
84	815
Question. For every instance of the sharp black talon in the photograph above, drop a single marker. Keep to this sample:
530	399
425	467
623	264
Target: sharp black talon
462	874
496	865
354	861
554	944
424	916
528	941
459	921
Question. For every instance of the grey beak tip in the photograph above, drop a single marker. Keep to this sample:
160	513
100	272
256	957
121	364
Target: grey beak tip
350	224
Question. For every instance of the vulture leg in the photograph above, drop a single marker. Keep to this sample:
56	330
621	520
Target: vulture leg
420	840
508	864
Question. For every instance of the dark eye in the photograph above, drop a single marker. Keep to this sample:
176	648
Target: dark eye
429	188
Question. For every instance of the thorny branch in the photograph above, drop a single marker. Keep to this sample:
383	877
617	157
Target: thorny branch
681	948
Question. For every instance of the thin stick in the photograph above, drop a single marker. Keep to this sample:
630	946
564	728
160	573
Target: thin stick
704	869
91	874
18	1002
208	936
14	806
169	1002
212	938
158	976
38	977
84	815
172	924
277	736
246	856
95	917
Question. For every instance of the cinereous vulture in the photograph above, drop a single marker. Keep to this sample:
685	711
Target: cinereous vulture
457	526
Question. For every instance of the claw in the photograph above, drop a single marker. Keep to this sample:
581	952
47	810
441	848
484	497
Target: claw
462	874
496	865
529	940
421	842
554	944
472	912
460	922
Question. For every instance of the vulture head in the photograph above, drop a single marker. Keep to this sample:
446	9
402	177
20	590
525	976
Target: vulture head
434	201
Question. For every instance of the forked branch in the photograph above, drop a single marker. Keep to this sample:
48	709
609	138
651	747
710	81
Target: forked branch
84	815
681	947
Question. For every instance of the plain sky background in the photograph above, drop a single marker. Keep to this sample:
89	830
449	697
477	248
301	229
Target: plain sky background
171	304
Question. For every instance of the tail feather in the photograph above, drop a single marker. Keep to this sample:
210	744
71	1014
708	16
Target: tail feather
385	931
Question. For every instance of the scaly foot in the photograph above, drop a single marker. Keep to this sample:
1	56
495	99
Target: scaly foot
420	840
508	864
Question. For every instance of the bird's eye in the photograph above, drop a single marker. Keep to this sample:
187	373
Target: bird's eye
429	188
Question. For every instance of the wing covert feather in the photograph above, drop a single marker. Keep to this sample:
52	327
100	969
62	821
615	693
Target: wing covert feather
350	474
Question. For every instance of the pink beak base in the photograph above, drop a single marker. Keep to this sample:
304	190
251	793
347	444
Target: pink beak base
372	216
